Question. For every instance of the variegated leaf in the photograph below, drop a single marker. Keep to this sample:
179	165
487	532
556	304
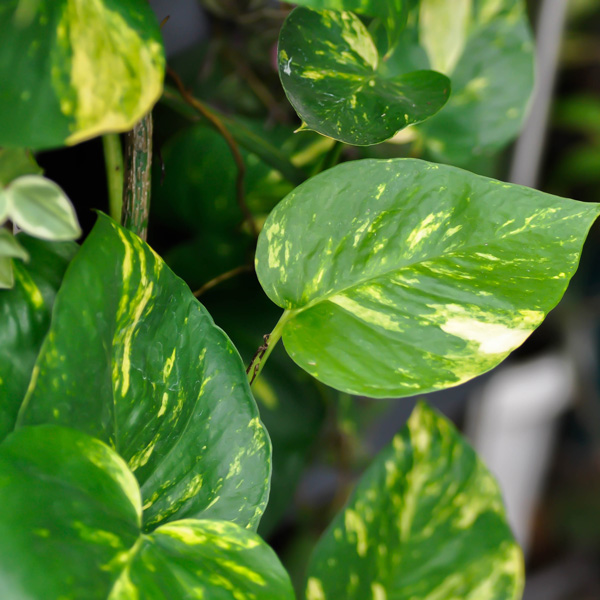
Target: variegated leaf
41	208
79	534
426	521
486	48
25	318
392	13
134	359
329	68
74	69
401	277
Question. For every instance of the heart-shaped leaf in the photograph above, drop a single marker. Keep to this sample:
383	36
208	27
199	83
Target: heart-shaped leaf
40	207
135	360
25	317
78	532
329	68
401	277
73	69
486	48
425	521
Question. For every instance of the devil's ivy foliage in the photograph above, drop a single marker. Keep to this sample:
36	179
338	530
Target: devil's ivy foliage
133	459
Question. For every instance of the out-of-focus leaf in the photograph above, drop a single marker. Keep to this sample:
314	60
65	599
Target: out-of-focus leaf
425	521
40	207
15	162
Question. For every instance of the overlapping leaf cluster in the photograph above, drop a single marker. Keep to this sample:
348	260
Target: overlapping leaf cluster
134	462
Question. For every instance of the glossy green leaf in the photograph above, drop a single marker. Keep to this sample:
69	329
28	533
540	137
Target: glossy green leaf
291	402
79	535
393	13
400	277
15	162
25	317
134	359
76	69
486	48
40	207
329	68
426	521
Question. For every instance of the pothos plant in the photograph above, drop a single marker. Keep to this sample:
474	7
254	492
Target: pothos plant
134	462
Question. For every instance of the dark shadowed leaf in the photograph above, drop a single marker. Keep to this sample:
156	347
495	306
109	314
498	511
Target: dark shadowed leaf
25	317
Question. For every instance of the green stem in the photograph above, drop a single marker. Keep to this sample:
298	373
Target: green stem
259	360
136	181
113	158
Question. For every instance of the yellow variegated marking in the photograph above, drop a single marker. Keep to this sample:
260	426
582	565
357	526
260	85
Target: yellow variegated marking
314	589
368	315
492	338
354	524
378	591
430	224
116	75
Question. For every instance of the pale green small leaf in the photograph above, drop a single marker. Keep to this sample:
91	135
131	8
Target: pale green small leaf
134	359
40	207
25	316
401	277
74	69
426	521
15	162
329	68
80	509
10	247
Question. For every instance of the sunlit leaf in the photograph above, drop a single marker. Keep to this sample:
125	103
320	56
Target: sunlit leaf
400	277
329	68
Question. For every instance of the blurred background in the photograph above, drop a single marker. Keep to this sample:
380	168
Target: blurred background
535	419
